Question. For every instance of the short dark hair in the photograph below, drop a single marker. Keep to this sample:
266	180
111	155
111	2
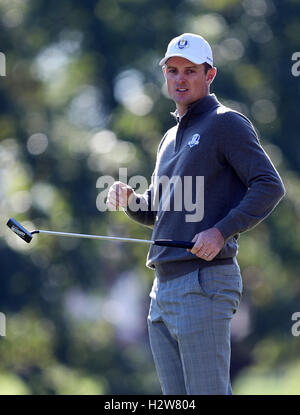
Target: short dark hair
207	67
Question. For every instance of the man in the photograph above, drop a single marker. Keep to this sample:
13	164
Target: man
196	292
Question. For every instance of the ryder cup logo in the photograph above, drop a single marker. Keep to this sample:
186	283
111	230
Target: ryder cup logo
194	140
183	44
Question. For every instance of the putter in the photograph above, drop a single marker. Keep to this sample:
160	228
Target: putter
27	236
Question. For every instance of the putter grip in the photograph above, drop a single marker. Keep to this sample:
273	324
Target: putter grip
174	244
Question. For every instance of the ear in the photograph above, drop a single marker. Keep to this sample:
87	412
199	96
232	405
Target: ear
164	69
210	76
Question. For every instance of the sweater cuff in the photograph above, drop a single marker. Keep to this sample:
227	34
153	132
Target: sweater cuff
225	229
138	210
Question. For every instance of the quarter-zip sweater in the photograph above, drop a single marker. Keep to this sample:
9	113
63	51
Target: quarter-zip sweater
215	161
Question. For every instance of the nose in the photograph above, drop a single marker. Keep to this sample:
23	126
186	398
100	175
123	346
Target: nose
180	78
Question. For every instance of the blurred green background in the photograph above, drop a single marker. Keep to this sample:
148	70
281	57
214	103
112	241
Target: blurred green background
83	96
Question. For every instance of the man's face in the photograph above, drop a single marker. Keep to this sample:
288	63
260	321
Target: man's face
186	81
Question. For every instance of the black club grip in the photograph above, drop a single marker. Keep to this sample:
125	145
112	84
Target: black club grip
174	244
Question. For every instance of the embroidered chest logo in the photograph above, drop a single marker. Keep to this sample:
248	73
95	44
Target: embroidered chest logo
193	141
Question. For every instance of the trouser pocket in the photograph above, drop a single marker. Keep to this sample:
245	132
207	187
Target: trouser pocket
222	284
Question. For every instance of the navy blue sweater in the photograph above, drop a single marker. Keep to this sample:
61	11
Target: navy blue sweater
221	177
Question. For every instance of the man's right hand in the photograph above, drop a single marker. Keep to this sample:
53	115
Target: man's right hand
118	195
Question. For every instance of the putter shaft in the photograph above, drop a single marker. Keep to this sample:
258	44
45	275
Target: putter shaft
87	236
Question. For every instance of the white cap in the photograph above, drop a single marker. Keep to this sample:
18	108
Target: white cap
189	46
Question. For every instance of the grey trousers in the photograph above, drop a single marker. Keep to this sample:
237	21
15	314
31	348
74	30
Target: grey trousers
189	330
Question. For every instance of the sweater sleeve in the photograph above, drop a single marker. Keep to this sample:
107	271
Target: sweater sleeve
141	208
254	168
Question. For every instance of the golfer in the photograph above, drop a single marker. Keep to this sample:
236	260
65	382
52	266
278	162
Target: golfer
227	184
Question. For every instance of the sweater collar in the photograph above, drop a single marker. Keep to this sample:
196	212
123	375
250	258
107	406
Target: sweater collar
202	105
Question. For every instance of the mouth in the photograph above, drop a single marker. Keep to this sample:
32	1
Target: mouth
181	90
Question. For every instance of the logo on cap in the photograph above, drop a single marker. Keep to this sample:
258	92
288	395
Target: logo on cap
182	44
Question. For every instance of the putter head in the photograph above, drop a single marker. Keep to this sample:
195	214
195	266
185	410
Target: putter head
19	230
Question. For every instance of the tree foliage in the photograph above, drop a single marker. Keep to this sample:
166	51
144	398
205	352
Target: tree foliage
84	96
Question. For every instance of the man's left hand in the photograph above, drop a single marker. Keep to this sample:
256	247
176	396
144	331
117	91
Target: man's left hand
207	244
